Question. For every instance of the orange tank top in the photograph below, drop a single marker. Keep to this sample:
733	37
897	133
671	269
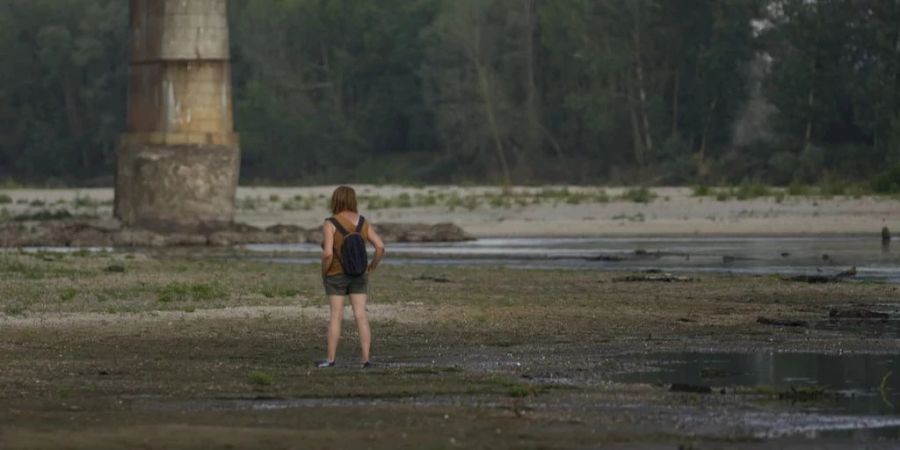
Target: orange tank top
335	268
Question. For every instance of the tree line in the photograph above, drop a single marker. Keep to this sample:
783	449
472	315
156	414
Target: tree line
497	91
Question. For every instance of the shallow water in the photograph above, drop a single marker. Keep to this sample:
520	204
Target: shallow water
849	383
746	255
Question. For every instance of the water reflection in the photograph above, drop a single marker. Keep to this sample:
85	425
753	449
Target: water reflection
851	384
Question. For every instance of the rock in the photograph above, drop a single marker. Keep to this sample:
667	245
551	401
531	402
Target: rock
812	279
89	237
137	238
655	277
107	224
781	322
856	313
285	229
607	258
185	240
408	232
110	232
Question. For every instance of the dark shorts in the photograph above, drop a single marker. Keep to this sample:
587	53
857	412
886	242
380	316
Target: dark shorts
346	285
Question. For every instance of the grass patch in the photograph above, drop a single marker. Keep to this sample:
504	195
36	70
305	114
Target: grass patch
259	379
85	201
5	199
15	308
749	191
68	294
517	389
799	190
249	203
639	195
702	191
39	271
189	292
43	216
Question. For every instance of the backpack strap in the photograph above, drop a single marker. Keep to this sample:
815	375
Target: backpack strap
359	226
337	224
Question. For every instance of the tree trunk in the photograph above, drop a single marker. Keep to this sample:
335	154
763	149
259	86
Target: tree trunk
76	129
488	99
492	122
635	127
676	91
706	123
807	137
639	74
531	84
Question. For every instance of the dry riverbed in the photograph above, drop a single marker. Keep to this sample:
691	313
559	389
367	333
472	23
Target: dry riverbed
182	350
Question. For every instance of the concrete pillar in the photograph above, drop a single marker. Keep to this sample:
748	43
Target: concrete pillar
178	162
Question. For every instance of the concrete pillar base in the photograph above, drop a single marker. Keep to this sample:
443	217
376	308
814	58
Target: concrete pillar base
166	187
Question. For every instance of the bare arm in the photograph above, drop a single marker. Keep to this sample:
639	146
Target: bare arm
327	246
376	241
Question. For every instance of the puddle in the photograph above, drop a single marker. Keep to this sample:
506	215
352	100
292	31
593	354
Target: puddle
874	328
844	384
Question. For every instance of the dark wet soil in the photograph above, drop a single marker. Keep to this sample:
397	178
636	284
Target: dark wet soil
484	358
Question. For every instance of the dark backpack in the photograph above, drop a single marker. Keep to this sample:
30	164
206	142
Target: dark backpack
353	257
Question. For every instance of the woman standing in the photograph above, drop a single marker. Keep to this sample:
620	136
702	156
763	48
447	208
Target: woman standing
341	270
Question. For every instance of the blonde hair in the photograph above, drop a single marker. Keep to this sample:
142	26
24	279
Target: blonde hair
343	199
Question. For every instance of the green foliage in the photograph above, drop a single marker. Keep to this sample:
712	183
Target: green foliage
5	199
472	91
888	182
62	85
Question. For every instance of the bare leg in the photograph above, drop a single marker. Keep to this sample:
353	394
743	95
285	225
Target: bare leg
334	326
362	322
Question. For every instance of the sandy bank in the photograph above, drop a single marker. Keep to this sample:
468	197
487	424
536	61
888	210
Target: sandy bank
551	211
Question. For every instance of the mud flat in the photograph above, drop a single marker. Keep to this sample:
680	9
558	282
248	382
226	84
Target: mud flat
189	350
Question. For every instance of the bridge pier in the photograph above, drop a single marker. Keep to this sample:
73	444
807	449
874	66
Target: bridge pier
178	162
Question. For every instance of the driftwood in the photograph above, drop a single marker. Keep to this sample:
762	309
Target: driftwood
781	322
